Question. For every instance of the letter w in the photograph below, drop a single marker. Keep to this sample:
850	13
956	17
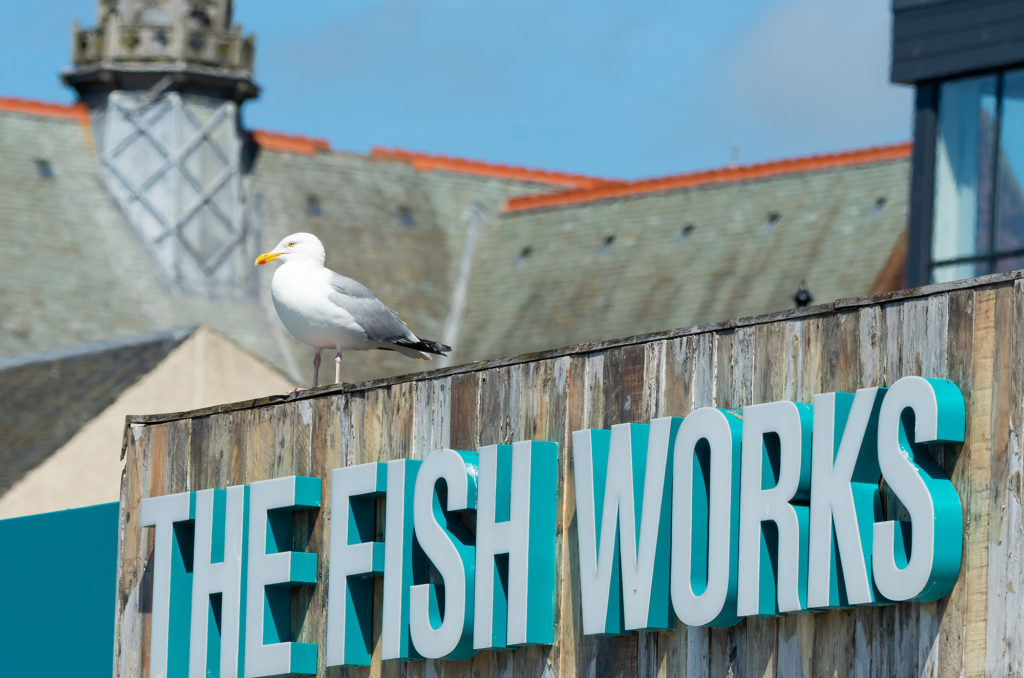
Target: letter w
616	470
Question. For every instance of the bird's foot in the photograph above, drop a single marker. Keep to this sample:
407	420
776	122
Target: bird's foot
297	389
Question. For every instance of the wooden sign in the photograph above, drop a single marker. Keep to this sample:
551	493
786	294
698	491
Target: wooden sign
963	333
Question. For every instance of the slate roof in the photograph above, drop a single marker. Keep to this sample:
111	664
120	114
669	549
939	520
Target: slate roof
514	259
81	275
613	262
49	396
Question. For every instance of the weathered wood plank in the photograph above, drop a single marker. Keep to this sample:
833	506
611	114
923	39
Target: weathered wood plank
871	356
536	387
465	408
722	650
570	653
769	361
649	651
933	364
1013	602
790	644
360	424
129	635
728	651
953	610
624	381
556	381
1001	541
978	445
908	322
499	398
325	447
688	365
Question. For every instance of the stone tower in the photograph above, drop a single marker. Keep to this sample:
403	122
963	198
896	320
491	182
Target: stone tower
164	80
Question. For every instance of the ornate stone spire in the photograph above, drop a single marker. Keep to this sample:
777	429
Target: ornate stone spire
139	42
164	80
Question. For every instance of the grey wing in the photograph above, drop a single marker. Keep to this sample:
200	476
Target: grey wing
378	321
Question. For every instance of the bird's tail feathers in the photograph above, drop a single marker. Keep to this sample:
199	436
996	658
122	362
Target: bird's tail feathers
424	345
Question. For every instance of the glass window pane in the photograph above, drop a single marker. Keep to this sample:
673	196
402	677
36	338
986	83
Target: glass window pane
963	167
1009	264
1010	203
968	269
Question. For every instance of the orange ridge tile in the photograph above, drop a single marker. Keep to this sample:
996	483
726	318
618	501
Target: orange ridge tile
716	176
427	162
78	111
289	143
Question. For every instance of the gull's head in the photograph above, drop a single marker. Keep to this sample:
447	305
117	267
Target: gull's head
297	246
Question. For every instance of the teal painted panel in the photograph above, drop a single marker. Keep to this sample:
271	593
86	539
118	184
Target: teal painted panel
57	604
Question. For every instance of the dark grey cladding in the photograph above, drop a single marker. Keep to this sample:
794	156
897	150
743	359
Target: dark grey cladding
940	39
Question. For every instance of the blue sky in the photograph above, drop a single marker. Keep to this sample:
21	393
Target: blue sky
617	89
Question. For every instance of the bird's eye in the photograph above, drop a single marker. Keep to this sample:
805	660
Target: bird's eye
291	244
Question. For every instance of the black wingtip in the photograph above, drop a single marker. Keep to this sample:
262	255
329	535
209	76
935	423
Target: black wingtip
433	347
424	345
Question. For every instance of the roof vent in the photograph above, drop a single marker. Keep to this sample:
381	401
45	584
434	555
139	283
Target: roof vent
685	234
876	211
770	223
524	254
44	169
406	216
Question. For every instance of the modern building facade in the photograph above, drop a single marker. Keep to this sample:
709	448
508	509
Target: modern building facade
965	60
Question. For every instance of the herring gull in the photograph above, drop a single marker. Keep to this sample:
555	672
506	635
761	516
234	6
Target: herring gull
326	310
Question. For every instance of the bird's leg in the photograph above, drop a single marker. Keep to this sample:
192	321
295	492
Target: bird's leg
316	374
337	367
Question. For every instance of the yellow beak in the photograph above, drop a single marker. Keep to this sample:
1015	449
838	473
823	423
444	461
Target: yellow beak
266	257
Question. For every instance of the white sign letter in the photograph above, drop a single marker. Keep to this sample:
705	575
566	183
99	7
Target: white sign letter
221	517
844	496
272	563
516	515
398	559
355	559
773	527
168	643
448	546
607	492
705	508
934	410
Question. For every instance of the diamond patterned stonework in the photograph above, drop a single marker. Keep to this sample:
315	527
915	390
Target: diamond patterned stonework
174	166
